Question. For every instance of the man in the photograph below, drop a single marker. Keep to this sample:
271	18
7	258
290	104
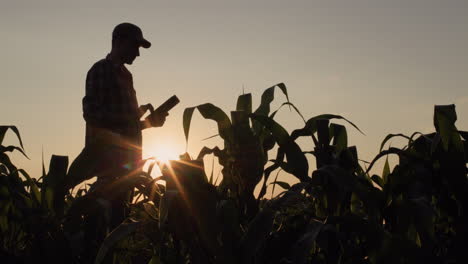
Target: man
113	145
110	106
110	109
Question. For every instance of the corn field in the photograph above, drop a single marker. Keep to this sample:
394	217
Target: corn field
416	212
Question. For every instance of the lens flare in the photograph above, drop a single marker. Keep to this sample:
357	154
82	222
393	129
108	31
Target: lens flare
162	153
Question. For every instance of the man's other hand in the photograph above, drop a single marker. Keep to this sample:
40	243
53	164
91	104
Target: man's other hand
157	119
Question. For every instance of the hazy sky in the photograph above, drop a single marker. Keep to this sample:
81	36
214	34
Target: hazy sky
382	64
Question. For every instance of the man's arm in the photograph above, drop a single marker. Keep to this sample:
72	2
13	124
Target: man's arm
92	106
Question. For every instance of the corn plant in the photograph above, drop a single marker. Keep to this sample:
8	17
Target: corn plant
426	193
32	210
246	146
339	213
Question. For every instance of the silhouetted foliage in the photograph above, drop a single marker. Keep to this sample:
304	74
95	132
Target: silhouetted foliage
340	213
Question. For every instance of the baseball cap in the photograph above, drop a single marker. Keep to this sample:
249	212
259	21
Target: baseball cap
129	30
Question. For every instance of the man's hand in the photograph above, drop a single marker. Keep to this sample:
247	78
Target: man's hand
143	108
157	119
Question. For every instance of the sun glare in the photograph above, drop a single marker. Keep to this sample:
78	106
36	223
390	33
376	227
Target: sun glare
162	153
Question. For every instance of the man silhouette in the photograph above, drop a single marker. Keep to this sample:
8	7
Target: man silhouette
113	145
110	106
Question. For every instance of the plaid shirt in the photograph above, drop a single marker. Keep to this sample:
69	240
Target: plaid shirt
110	103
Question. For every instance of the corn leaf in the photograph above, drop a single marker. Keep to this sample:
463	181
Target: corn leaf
186	120
268	96
389	136
151	210
264	107
295	158
82	167
276	178
206	151
34	189
244	103
120	232
269	170
282	184
386	171
208	111
290	105
11	149
384	153
3	130
378	180
444	122
339	136
311	125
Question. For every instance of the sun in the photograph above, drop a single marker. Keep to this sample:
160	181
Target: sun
162	153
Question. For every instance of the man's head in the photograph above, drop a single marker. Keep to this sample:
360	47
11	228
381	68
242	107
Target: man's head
127	38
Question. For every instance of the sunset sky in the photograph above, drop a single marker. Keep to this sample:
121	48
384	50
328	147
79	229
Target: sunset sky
381	64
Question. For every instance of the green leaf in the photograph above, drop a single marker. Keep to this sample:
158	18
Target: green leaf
276	178
151	210
290	105
185	156
311	125
11	149
206	151
378	180
34	189
210	180
389	136
264	107
3	130
295	158
282	184
244	103
444	122
210	137
386	171
209	111
120	232
289	197
83	166
269	170
57	172
339	136
186	120
43	165
323	134
268	96
384	153
47	198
